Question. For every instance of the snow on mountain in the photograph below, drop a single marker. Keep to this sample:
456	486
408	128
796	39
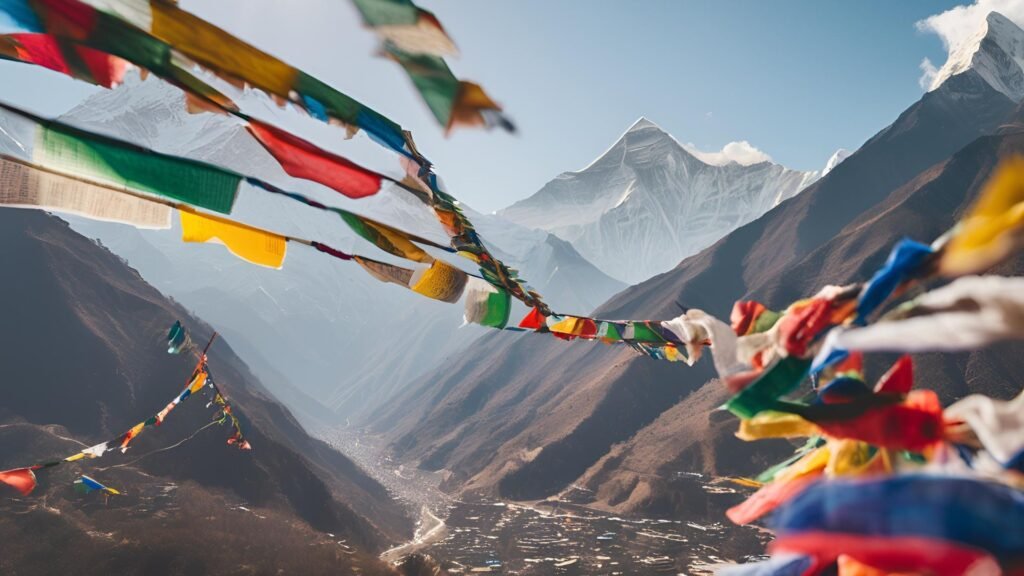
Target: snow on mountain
320	325
648	202
995	52
835	160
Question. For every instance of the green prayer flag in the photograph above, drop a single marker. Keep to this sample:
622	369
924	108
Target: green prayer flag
433	80
487	305
765	321
781	379
609	331
107	161
642	332
387	12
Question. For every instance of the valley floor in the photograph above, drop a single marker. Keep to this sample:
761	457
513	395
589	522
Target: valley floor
554	536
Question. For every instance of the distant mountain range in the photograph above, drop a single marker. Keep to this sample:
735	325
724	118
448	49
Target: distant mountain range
526	417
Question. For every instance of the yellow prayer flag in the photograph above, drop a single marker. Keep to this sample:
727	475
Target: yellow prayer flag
197	383
229	57
249	244
771	424
441	281
812	462
571	325
993	228
855	458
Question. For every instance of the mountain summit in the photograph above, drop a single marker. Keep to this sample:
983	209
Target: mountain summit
648	201
995	52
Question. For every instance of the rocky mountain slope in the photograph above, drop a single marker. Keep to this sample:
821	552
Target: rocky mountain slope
527	416
330	341
84	358
648	202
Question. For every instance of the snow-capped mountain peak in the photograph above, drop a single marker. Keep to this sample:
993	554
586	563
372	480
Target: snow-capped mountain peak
995	52
649	201
641	124
835	160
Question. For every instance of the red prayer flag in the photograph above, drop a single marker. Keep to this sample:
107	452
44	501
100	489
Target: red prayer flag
302	159
21	479
800	326
913	425
910	554
899	379
854	362
744	315
533	321
589	328
47	51
768	498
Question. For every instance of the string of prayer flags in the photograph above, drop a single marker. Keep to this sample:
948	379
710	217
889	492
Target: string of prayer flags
463	237
261	247
161	37
250	244
407	26
24	479
23	186
68	58
992	229
225	415
87	485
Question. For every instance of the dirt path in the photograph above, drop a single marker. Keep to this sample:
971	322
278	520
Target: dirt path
431	529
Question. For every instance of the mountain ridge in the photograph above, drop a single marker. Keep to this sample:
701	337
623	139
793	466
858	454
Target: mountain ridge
88	333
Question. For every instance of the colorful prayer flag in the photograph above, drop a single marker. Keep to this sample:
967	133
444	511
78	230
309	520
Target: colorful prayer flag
248	243
24	186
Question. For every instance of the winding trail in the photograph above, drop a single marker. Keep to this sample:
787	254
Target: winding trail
431	530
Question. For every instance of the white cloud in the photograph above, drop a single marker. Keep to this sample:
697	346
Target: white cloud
958	26
928	74
741	152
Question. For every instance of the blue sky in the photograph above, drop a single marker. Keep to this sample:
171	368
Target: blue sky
797	79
